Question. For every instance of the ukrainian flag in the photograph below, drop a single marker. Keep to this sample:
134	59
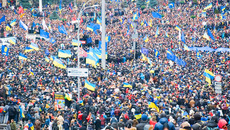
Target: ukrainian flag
138	116
13	22
34	46
99	21
32	9
157	32
22	15
22	56
107	38
135	17
8	27
81	102
151	23
178	28
12	41
52	57
208	74
47	59
142	23
153	105
58	63
208	7
76	42
147	1
126	85
131	24
31	72
166	34
186	48
91	60
198	55
146	39
206	36
89	28
144	58
149	61
208	79
28	49
64	53
157	53
89	85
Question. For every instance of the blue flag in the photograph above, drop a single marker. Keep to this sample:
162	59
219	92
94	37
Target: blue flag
182	37
170	55
2	19
156	15
171	5
44	33
52	40
144	51
99	47
61	29
47	52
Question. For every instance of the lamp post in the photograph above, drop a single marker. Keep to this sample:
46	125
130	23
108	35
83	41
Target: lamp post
78	38
103	35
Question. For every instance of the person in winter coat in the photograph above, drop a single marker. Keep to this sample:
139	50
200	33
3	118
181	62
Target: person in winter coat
98	124
213	123
162	121
13	125
37	125
144	121
66	124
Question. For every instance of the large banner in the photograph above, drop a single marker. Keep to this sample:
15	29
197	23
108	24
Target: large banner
60	99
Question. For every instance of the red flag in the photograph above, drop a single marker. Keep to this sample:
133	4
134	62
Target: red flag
20	10
74	18
82	53
81	20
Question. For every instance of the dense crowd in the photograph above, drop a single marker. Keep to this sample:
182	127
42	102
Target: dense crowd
161	94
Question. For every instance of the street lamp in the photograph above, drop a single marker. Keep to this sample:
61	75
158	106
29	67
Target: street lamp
78	38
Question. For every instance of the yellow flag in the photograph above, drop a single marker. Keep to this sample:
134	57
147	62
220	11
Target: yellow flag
22	15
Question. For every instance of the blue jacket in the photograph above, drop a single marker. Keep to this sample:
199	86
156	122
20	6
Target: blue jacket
159	125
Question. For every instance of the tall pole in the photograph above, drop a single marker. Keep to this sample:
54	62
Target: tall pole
78	56
40	5
103	35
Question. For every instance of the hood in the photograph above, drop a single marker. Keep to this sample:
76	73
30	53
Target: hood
163	120
212	124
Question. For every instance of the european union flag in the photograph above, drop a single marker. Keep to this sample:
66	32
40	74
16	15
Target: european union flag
156	15
47	52
5	50
144	51
44	33
52	40
170	55
62	29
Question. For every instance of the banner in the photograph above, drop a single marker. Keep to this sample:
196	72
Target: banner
60	99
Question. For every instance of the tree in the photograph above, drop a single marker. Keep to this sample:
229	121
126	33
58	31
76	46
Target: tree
140	3
25	3
152	3
171	1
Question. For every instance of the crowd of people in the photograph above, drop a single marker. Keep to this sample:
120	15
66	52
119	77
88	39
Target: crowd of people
158	95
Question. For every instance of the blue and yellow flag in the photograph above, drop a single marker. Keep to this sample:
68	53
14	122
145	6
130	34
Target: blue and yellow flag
89	28
149	61
99	21
91	60
170	55
186	48
157	53
166	34
13	22
59	63
12	41
8	27
143	57
208	74
107	38
146	39
157	32
153	105
178	28
76	42
64	53
47	59
34	46
22	56
90	86
5	50
135	17
127	85
138	116
150	23
198	55
31	72
28	49
208	7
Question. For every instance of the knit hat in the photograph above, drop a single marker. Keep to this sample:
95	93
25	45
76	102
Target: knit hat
144	117
221	123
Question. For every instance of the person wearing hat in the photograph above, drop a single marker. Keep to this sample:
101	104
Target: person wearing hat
164	120
144	121
199	125
185	126
222	124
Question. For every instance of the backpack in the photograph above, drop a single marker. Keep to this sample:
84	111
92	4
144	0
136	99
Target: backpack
215	128
199	126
